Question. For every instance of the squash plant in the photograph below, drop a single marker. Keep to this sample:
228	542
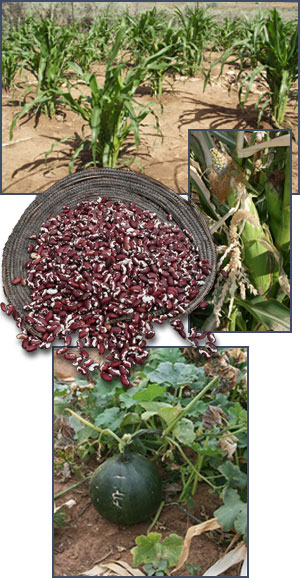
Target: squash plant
194	424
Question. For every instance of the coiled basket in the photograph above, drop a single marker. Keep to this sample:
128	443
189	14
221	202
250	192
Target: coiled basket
117	184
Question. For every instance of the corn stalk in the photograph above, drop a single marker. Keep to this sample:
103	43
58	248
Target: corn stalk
251	228
111	112
271	51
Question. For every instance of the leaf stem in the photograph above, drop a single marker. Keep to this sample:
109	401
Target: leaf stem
171	441
160	507
199	465
186	409
63	492
121	442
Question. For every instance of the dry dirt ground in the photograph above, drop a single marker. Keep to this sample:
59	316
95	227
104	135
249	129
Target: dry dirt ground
185	106
88	538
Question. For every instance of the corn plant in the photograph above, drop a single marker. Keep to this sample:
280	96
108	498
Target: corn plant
194	30
93	44
102	32
10	65
13	51
225	33
142	30
251	30
279	56
84	51
271	51
111	112
247	202
167	60
45	53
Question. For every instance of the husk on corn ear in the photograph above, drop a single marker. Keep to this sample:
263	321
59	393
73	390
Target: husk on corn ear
227	182
278	205
274	204
283	238
258	259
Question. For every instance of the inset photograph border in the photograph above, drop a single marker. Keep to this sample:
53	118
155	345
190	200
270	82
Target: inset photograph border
152	479
240	180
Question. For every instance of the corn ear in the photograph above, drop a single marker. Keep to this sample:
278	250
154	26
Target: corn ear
274	204
279	210
283	238
258	259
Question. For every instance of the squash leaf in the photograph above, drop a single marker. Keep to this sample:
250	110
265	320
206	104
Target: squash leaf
233	513
150	393
150	549
176	374
171	548
147	549
235	477
110	417
184	431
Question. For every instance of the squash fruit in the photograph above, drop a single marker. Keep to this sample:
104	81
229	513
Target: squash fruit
126	489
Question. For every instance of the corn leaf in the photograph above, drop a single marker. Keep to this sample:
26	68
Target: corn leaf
272	314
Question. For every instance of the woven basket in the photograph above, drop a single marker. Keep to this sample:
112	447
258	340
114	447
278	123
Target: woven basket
117	184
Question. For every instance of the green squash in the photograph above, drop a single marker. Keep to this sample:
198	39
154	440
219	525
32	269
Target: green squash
126	489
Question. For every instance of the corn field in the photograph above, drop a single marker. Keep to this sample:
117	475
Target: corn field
58	62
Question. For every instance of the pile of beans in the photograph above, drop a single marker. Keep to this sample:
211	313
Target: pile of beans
108	271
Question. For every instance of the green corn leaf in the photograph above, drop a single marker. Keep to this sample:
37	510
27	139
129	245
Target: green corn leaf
40	99
55	144
133	121
272	314
258	70
115	48
262	107
76	154
205	202
228	137
93	84
75	105
76	68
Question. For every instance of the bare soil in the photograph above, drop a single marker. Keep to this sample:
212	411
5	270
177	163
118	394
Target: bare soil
185	106
89	539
